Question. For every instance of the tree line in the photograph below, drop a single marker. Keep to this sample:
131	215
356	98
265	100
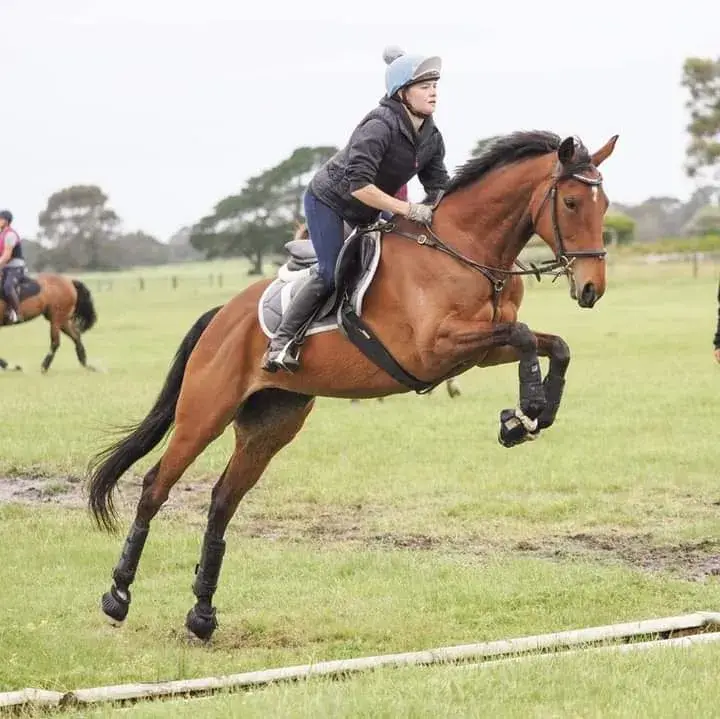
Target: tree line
79	230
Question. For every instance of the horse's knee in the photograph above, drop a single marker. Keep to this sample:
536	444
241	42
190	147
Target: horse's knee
523	338
560	354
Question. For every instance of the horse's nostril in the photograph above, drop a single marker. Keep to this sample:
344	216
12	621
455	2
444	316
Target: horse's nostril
588	296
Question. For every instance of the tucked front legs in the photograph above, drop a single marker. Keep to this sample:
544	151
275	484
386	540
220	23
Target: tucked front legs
520	424
517	428
514	342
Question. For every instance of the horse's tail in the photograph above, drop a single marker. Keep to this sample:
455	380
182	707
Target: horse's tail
85	314
109	465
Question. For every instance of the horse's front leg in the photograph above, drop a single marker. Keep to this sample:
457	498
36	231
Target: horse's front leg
477	344
556	349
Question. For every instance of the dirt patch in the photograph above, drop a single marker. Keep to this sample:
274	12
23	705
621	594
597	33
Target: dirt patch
690	560
695	561
41	490
71	492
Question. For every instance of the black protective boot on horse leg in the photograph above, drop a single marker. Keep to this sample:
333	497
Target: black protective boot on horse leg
521	424
201	620
283	352
116	603
554	382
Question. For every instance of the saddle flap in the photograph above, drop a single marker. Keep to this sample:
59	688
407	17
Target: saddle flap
355	257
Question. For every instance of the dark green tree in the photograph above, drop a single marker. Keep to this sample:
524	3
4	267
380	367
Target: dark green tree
259	220
701	78
77	222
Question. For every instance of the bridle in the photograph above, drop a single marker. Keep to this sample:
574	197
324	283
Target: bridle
563	255
559	266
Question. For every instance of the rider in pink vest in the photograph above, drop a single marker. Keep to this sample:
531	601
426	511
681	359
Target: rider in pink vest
12	265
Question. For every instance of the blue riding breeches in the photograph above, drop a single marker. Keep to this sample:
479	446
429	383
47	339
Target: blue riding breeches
327	233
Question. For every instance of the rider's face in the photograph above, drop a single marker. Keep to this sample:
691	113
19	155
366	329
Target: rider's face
422	97
3	223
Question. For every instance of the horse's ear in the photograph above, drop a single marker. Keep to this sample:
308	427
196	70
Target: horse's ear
566	151
605	151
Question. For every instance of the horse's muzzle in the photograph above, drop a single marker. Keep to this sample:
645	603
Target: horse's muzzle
588	297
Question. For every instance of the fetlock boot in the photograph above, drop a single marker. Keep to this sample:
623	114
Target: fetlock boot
281	354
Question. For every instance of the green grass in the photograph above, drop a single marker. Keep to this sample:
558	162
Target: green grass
667	683
386	527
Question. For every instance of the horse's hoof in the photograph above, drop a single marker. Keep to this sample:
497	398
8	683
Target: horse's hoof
513	431
115	606
201	626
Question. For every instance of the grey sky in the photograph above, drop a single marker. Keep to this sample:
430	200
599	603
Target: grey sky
170	105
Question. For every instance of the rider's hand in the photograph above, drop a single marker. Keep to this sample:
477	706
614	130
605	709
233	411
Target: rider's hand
419	213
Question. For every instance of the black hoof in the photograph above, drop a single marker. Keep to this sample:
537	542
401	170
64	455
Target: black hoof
512	431
115	605
202	625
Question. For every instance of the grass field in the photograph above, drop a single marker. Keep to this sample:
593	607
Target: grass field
384	527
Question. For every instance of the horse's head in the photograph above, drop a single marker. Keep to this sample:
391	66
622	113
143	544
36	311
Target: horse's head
568	214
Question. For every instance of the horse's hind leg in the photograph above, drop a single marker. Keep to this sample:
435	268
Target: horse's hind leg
191	436
54	344
68	328
267	422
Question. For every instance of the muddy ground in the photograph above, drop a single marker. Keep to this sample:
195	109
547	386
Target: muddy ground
697	561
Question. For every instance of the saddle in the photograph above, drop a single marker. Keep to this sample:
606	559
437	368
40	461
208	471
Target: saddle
26	287
356	268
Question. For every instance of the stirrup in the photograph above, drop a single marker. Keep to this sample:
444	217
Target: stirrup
283	359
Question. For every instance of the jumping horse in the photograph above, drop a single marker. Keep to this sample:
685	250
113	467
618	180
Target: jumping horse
66	304
444	299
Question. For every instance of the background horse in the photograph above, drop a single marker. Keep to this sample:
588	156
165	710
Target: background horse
444	299
66	304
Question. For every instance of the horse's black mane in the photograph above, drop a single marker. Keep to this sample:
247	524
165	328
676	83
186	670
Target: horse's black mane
506	149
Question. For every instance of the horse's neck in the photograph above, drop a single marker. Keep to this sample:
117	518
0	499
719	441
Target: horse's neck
491	218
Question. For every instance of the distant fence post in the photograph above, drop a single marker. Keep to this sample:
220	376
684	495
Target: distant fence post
695	263
142	283
220	280
174	282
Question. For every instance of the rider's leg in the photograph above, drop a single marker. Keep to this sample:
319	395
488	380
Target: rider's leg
326	233
10	292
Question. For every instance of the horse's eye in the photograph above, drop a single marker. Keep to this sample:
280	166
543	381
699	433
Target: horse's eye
570	203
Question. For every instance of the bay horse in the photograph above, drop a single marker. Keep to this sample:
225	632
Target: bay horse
66	304
445	298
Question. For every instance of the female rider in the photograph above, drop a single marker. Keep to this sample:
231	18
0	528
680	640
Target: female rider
394	142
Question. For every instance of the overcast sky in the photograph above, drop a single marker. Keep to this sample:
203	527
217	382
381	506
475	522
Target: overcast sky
169	105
